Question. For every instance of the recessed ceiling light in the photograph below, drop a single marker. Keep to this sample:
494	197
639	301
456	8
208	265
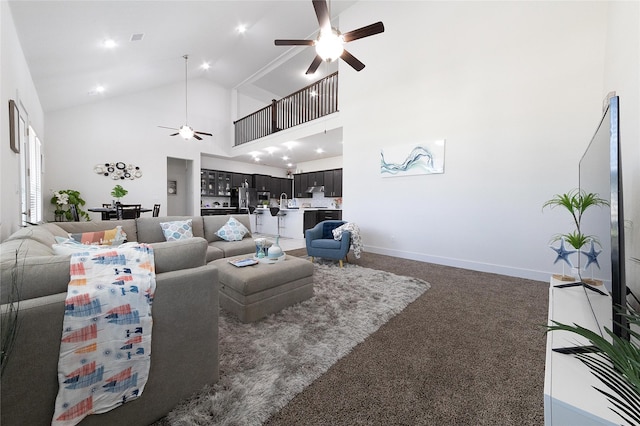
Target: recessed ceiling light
100	89
241	28
256	159
319	150
109	43
285	158
271	149
290	144
289	164
205	66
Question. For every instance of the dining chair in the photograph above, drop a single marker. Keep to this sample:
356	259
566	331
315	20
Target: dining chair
156	210
110	215
74	212
128	211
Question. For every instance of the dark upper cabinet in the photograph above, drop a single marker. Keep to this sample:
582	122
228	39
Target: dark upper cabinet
223	184
208	185
300	185
237	179
333	183
280	186
315	178
262	183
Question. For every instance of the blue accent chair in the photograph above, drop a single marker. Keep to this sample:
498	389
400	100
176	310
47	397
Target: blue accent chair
320	242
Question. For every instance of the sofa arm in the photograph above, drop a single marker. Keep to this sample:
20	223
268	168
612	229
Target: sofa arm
181	254
184	353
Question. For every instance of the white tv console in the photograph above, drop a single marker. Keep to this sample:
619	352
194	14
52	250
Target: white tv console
569	396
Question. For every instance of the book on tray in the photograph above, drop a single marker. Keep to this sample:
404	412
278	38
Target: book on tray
243	262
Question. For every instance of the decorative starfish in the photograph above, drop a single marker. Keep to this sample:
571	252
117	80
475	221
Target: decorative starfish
563	253
592	256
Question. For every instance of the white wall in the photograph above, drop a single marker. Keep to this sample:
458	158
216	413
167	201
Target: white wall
515	88
16	84
126	129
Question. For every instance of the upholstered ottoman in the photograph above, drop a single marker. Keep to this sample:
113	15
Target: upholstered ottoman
253	292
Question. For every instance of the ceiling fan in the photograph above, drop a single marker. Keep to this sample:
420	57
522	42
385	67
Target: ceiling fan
330	42
185	131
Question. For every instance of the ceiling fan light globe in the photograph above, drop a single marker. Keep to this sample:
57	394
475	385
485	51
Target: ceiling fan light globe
186	132
330	45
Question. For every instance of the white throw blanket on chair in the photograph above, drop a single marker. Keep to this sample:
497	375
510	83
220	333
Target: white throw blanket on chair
356	240
106	335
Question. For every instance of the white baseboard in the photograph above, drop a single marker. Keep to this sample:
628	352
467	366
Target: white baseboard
464	264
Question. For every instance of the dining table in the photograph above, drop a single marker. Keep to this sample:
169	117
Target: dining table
111	211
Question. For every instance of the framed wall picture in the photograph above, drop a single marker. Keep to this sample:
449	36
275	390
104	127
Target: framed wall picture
172	187
14	126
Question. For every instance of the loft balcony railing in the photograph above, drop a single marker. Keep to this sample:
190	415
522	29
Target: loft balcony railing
314	101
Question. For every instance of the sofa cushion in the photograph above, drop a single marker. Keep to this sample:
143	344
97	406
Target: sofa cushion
234	248
233	230
177	230
180	254
149	230
213	223
109	237
128	227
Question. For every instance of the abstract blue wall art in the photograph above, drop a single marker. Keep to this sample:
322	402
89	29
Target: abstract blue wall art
423	158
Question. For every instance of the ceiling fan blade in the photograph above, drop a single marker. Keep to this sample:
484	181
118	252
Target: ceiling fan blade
352	60
203	133
322	12
174	134
164	127
197	137
367	31
294	42
314	65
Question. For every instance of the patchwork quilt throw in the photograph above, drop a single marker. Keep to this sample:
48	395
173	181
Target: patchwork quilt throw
106	337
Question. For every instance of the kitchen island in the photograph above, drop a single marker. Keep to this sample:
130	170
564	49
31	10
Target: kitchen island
292	222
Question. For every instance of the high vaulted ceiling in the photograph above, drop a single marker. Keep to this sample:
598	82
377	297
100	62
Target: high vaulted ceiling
62	42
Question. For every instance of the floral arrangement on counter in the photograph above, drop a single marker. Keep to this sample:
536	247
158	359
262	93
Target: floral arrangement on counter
337	202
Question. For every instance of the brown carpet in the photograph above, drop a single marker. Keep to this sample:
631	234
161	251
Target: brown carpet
470	351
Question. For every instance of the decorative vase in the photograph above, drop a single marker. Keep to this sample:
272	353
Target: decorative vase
58	217
275	251
260	243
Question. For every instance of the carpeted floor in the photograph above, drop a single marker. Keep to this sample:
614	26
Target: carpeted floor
264	364
470	351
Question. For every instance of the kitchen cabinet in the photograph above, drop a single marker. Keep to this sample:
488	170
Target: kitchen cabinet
262	183
218	211
280	186
223	184
238	179
300	185
208	184
315	178
313	217
333	183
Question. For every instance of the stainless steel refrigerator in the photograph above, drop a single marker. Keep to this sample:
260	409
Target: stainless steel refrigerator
242	198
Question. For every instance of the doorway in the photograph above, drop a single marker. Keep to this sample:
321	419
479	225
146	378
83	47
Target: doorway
179	187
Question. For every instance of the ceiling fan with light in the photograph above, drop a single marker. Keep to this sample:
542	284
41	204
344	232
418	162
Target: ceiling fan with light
330	42
185	131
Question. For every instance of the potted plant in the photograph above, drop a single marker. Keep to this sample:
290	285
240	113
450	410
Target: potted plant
616	363
118	192
62	199
576	202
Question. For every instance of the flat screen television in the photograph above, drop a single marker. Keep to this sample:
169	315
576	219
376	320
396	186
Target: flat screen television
600	173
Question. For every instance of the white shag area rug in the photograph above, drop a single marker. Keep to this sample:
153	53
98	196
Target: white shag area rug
263	365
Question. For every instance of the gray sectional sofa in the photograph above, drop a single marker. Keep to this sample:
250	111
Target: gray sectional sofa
185	314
